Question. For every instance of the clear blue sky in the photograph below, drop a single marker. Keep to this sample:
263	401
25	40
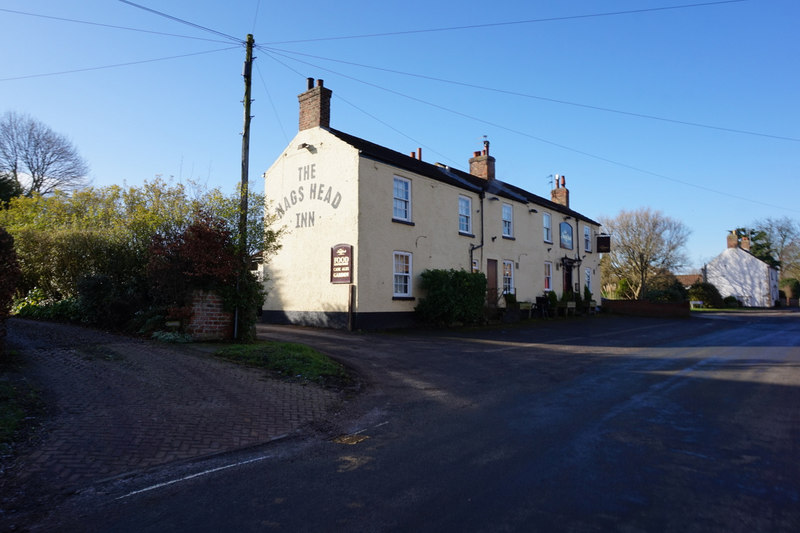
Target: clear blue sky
733	66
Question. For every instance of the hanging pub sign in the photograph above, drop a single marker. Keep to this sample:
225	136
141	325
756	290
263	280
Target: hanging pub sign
604	244
342	263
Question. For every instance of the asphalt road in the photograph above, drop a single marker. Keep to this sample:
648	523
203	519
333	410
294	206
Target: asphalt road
598	424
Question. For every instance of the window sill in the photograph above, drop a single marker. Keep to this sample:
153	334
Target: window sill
465	234
406	222
403	298
509	238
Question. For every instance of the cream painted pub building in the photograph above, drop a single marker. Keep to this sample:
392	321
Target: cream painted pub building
363	221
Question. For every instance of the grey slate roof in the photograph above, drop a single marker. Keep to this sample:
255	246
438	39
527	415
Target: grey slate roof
452	176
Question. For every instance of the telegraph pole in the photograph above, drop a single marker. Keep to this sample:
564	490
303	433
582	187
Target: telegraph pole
247	73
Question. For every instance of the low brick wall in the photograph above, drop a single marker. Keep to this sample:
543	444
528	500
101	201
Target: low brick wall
209	321
642	308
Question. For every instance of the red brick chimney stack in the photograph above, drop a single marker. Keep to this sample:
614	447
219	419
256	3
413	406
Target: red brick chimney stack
482	164
733	240
315	106
745	244
560	194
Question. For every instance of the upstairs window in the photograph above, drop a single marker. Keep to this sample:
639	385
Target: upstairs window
548	227
402	199
587	238
508	221
465	214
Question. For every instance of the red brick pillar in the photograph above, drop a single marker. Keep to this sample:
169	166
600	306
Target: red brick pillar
209	321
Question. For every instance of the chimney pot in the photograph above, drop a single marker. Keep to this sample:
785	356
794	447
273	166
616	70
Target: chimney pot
419	153
315	106
482	164
309	83
413	155
560	194
320	83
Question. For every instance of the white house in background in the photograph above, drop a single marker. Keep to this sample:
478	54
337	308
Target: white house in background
363	221
736	272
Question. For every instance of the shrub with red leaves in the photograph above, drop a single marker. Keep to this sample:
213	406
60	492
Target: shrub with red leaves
201	257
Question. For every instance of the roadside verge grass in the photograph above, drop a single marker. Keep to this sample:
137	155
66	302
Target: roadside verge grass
20	405
289	361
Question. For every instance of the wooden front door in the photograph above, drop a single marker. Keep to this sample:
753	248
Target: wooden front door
491	283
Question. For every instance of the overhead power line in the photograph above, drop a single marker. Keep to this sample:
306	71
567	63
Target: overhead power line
112	26
182	21
540	139
118	64
288	53
508	23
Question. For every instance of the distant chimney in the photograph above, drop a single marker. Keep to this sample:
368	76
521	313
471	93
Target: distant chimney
482	164
745	244
560	194
733	240
315	106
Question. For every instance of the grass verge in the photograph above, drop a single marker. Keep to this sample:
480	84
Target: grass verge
20	405
289	361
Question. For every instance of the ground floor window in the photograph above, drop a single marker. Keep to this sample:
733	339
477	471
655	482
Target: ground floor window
508	277
588	279
548	276
402	274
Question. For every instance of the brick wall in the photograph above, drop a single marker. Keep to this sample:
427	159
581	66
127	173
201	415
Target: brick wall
209	321
650	309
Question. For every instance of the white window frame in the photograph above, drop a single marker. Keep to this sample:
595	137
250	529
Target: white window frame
401	204
547	224
548	276
508	280
587	279
401	277
587	239
508	222
465	218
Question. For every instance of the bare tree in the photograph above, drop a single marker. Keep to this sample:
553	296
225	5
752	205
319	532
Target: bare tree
644	243
37	158
783	235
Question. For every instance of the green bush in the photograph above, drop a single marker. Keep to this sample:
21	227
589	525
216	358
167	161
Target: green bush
9	277
109	303
553	299
791	287
665	288
9	272
67	309
452	296
731	301
706	293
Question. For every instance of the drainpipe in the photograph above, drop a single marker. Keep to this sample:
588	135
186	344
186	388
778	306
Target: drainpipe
473	247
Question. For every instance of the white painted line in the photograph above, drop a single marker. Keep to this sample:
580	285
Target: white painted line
192	476
368	428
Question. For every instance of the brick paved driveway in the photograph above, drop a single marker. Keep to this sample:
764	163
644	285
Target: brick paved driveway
120	405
